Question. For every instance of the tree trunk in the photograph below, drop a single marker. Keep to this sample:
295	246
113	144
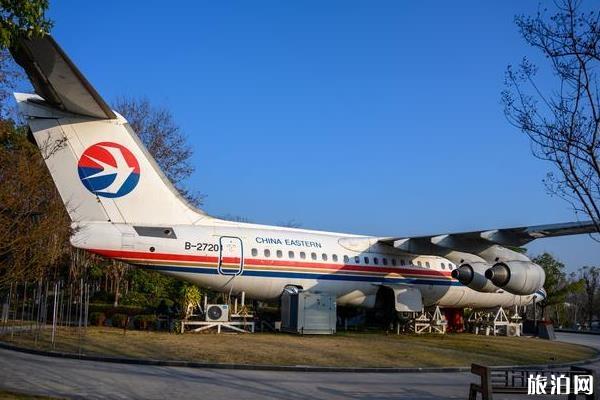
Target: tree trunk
116	303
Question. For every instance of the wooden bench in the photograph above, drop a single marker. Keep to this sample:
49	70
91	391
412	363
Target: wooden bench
514	380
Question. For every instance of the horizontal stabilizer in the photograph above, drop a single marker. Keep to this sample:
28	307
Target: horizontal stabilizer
57	79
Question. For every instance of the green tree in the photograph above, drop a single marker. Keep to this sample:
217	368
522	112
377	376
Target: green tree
190	297
149	288
557	285
22	17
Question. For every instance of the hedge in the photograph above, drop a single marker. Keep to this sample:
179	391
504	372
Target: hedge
119	320
97	318
145	322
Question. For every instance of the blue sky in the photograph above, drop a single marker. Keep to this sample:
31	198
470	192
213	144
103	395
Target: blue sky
378	118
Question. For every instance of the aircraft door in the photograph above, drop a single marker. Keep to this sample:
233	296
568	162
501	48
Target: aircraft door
231	256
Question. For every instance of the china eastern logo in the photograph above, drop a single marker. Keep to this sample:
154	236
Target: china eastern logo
108	169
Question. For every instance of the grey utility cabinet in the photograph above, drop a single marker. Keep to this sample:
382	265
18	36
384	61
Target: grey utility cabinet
308	313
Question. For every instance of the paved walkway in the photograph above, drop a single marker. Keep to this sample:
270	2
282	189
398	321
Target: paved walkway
97	380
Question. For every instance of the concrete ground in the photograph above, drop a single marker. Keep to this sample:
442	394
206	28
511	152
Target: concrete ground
97	380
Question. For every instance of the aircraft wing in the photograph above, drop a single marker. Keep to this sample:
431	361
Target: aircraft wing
57	79
514	237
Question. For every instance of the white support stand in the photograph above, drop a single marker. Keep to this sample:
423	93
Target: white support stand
438	322
500	322
241	312
240	319
515	326
495	323
475	321
237	326
426	322
422	323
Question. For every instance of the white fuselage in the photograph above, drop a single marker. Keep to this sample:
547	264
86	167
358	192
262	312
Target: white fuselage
262	260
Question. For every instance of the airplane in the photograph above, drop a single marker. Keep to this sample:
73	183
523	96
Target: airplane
123	207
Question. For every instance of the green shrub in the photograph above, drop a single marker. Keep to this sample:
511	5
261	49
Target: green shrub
134	299
109	310
97	318
175	326
119	320
144	322
102	296
164	303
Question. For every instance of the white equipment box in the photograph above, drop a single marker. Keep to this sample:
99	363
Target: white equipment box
308	313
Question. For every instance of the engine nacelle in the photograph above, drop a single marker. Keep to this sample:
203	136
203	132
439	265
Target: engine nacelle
517	277
472	275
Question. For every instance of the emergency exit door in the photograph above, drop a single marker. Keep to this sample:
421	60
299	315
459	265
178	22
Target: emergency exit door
231	256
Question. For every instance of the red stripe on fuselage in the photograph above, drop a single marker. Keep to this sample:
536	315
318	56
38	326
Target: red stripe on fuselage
256	261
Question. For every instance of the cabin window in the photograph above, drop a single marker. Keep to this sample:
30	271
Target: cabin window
324	257
302	255
402	261
375	260
291	254
443	266
279	254
313	256
366	260
384	261
267	253
357	260
419	263
427	264
254	252
394	262
346	259
334	258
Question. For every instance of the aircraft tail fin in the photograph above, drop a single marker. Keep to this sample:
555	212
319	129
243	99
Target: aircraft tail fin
101	169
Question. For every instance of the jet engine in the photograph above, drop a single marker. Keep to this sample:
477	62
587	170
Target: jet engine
517	277
473	276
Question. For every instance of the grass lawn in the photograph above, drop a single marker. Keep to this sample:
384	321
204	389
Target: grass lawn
343	349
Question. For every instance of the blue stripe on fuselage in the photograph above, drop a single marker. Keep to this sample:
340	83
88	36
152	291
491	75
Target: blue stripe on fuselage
301	275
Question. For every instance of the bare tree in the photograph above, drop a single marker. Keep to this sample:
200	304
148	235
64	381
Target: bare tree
562	122
10	75
235	218
163	138
291	223
117	269
591	278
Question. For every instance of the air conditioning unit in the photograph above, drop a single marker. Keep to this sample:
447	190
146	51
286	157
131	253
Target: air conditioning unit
217	313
